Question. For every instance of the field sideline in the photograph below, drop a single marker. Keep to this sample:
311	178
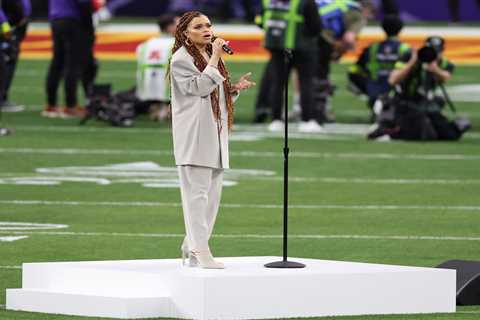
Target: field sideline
73	193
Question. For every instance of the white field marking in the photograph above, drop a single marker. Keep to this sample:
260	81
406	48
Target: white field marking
170	180
465	92
242	134
241	206
173	182
371	181
10	267
50	181
249	154
12	239
29	226
253	236
473	135
54	181
149	174
140	169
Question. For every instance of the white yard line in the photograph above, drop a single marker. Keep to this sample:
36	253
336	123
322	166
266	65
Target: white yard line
242	206
371	181
238	135
394	181
333	131
248	236
249	154
10	267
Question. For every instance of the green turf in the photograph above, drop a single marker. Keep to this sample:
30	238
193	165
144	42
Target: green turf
437	205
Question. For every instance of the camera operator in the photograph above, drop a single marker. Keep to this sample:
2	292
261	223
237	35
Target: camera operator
153	55
369	75
417	109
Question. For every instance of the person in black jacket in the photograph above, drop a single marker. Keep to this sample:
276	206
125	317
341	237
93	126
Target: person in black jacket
68	20
17	13
296	32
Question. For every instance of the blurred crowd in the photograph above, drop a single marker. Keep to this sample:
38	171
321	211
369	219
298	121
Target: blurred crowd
403	86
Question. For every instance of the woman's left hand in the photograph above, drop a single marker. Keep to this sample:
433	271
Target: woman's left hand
243	83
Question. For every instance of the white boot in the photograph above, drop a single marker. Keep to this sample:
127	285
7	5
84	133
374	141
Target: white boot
192	261
206	261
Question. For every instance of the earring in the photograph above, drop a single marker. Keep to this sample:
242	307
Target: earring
188	42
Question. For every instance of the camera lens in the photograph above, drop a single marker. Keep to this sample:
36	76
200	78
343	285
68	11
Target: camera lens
427	54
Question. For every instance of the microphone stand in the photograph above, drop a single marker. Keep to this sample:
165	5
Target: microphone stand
285	263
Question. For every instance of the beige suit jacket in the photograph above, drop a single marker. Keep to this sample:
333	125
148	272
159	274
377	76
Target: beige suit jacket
196	140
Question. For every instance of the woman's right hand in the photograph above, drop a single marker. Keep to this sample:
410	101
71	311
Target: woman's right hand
217	47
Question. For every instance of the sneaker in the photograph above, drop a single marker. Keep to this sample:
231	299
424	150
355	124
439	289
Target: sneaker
51	112
5	131
380	132
75	112
384	138
311	126
7	106
276	126
463	124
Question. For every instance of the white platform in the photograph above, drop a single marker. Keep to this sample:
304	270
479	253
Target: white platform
245	290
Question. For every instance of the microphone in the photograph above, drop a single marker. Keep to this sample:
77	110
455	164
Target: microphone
225	47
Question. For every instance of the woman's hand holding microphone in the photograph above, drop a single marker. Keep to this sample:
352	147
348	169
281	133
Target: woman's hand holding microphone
217	51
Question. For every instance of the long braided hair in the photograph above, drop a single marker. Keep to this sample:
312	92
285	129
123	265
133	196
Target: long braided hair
201	64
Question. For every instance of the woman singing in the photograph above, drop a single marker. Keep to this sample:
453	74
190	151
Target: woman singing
202	116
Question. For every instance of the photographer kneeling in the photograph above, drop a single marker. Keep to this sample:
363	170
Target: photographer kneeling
417	110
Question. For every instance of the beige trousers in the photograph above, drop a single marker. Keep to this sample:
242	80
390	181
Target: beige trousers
201	190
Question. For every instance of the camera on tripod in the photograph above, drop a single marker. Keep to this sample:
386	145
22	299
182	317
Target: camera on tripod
434	45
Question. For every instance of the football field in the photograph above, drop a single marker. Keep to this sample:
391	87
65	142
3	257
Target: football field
95	192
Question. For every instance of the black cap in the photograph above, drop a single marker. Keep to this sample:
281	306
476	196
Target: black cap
436	42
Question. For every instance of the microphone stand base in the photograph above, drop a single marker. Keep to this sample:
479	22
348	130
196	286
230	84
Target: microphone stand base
285	265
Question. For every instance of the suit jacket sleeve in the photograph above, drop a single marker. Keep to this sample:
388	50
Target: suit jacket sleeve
191	81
